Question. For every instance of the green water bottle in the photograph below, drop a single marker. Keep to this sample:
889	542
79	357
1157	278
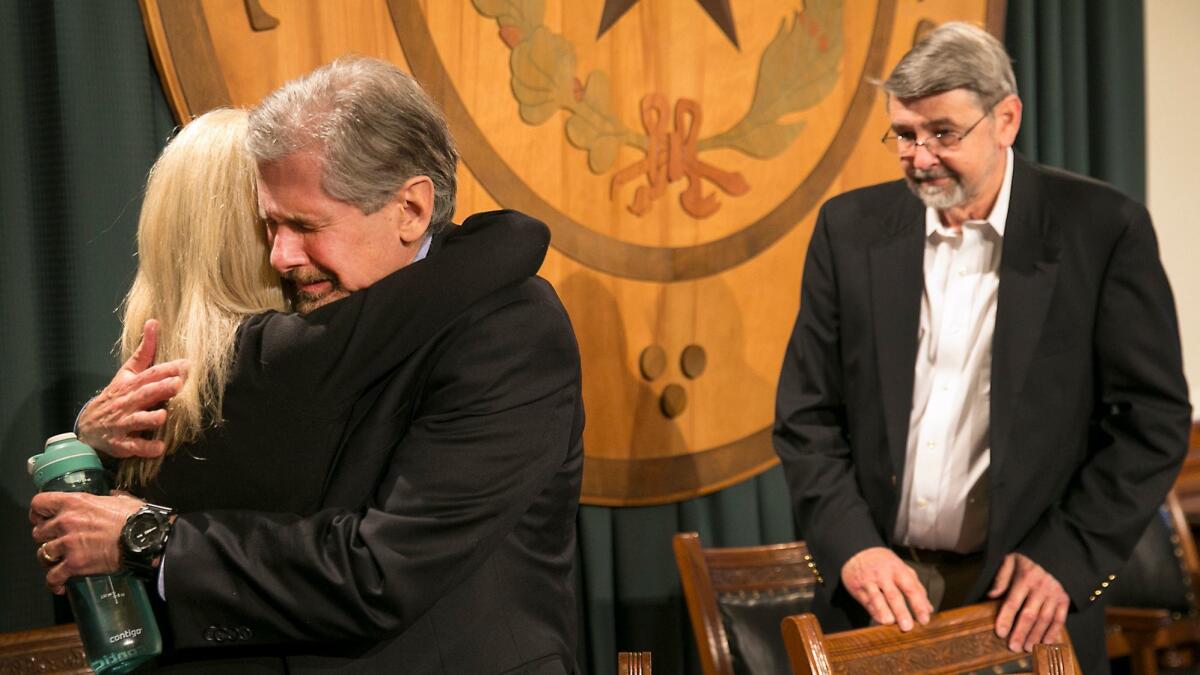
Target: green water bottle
112	611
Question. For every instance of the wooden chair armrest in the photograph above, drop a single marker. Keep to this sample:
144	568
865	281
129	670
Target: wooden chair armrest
1055	660
53	649
1137	619
633	663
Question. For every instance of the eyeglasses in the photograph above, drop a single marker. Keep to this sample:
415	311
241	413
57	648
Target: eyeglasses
906	143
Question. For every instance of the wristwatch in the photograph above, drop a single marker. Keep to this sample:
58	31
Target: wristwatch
144	538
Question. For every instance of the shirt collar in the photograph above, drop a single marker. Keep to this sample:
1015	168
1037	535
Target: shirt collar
424	250
999	215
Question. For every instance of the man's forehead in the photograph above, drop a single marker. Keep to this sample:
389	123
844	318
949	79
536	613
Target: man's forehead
945	107
290	188
301	170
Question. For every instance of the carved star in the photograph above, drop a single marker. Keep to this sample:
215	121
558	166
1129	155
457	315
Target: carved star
717	10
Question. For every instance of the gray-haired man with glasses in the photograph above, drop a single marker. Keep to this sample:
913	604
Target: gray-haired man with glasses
983	395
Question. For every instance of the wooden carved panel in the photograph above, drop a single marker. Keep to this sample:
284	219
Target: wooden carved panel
56	649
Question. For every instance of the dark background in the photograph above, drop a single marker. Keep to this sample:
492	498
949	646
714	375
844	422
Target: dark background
82	118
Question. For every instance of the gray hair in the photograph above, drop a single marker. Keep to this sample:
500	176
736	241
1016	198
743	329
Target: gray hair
374	125
954	55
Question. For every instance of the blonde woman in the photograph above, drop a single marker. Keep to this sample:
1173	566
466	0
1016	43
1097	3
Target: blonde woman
202	269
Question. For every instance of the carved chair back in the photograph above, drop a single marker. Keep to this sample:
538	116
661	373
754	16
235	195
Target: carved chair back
958	641
54	649
736	598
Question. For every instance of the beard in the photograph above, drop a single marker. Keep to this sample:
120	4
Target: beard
938	197
303	301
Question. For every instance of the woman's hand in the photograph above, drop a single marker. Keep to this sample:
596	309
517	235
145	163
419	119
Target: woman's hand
115	421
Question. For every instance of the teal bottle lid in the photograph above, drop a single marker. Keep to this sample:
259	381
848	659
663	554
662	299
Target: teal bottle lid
64	454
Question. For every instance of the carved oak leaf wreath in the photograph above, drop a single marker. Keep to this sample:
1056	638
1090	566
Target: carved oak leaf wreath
798	69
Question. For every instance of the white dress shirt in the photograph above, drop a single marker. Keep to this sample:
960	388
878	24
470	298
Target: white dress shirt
943	499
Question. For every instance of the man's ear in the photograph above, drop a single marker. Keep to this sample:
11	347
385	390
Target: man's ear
415	202
1008	119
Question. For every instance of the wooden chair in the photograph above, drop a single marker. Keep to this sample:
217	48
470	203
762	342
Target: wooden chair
1153	606
956	641
54	649
736	598
633	663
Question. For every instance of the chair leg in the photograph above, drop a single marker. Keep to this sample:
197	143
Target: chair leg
1143	659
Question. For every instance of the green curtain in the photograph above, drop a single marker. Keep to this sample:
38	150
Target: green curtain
1080	72
82	118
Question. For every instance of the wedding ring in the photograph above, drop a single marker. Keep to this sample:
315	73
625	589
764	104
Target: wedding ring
44	554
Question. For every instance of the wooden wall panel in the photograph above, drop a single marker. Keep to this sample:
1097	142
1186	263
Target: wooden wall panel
678	149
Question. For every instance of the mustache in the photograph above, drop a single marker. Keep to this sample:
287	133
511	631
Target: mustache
922	175
301	277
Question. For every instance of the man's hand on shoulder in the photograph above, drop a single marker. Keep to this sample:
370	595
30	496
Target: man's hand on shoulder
880	581
113	422
1035	607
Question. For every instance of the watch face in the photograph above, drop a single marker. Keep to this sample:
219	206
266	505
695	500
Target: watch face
143	532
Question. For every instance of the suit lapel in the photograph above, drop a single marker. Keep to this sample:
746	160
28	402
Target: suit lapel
1028	271
897	277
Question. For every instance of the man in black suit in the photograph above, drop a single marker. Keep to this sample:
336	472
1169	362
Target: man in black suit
983	393
444	539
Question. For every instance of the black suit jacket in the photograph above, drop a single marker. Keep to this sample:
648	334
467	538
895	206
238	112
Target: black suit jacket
1089	411
443	405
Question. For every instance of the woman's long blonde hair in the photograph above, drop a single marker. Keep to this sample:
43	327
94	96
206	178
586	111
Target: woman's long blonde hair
202	269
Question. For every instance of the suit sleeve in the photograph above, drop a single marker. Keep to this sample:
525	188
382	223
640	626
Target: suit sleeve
493	427
1139	423
810	432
